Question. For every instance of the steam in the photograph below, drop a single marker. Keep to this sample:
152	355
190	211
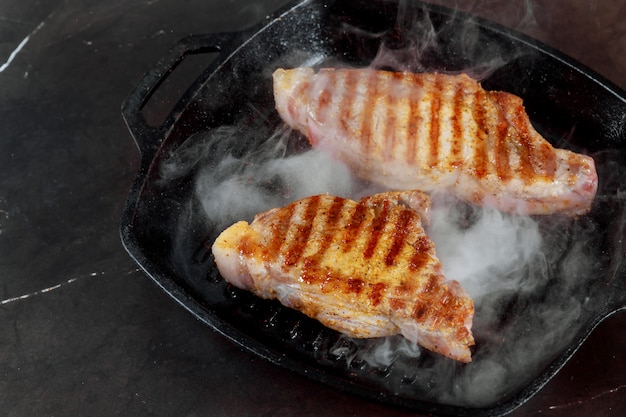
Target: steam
232	185
416	40
530	277
493	246
507	263
528	282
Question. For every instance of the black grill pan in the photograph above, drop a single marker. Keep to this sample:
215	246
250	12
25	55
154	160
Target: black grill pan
164	231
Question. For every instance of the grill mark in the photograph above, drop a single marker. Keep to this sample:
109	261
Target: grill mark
522	140
371	81
435	106
347	101
400	231
501	133
524	147
456	157
397	304
431	284
326	95
376	293
391	103
278	230
421	253
355	285
376	231
310	267
482	132
434	314
299	241
441	311
430	297
448	313
333	217
309	273
414	118
419	310
548	157
353	227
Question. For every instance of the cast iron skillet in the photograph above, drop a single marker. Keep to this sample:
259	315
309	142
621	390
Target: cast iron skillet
164	231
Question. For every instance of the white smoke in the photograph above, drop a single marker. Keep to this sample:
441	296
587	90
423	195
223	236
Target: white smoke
233	186
485	254
525	274
506	262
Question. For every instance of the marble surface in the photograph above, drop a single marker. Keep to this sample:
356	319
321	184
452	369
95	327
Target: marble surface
82	330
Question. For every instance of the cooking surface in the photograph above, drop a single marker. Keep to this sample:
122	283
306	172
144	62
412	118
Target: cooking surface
83	331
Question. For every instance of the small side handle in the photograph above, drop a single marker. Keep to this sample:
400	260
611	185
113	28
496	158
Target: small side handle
147	137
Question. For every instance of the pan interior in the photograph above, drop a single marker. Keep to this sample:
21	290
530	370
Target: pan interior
228	133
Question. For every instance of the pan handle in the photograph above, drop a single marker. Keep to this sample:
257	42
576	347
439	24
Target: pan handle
147	137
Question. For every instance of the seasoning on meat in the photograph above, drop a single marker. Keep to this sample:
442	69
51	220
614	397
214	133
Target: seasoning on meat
434	131
365	268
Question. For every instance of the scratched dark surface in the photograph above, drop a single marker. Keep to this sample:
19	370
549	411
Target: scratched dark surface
82	330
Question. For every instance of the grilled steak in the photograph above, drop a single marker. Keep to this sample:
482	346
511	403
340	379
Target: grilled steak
366	268
435	132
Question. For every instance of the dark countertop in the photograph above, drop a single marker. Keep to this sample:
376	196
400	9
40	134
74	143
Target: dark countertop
82	330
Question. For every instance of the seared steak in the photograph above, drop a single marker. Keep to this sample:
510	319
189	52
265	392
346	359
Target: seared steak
365	268
435	132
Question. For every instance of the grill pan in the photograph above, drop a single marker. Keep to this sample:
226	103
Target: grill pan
165	233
